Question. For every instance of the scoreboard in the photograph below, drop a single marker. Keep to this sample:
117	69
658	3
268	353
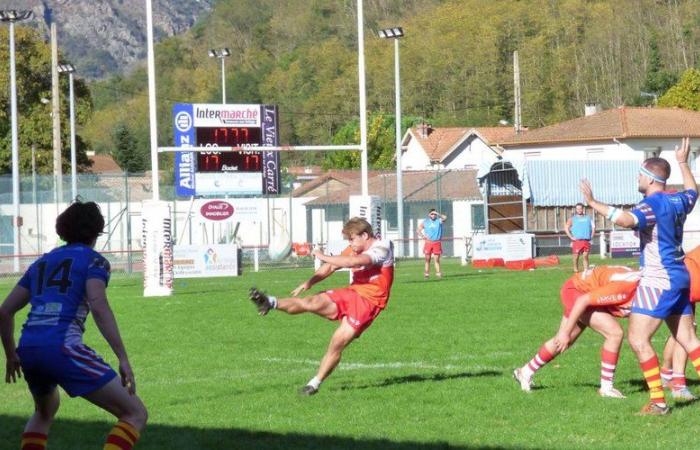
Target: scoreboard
250	171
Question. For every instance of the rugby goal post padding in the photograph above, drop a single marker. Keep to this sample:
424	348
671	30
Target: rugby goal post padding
369	207
157	245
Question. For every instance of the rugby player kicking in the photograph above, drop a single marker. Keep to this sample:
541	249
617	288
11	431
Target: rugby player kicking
372	266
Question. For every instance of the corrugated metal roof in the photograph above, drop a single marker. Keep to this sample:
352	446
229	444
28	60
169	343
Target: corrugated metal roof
556	183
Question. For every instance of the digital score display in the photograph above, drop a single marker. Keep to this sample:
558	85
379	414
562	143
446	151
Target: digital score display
212	171
237	161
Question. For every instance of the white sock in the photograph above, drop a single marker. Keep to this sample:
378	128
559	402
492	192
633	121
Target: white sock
273	301
314	382
606	385
526	371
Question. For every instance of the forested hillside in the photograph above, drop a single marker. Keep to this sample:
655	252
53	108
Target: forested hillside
456	63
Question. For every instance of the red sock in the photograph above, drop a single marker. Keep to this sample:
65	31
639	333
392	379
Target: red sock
122	437
695	359
608	364
666	375
34	441
678	381
652	375
542	357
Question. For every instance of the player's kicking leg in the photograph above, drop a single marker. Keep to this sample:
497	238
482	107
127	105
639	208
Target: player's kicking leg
320	304
547	352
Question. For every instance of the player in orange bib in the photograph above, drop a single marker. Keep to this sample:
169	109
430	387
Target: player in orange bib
674	356
372	264
592	298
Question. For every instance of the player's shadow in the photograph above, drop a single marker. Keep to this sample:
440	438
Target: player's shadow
448	277
84	435
420	378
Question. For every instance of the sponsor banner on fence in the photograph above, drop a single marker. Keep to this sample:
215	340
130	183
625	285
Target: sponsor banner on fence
624	244
198	261
218	210
509	247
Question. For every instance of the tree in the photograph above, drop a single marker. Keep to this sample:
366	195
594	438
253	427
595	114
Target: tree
381	143
126	150
686	93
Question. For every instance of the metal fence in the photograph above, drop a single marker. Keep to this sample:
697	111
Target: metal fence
307	219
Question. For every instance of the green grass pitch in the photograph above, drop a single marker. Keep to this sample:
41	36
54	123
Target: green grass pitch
433	372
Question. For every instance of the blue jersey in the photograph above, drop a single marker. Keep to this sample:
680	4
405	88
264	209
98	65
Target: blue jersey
660	226
433	228
581	227
56	282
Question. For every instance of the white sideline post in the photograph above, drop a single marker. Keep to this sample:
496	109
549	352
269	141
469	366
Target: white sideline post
157	249
603	253
256	259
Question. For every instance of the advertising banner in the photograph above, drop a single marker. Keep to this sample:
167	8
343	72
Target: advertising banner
199	261
271	160
185	162
624	244
509	247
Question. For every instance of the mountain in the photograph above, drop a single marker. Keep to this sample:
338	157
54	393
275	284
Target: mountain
107	37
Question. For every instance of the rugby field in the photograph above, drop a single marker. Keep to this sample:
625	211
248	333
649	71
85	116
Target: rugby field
433	372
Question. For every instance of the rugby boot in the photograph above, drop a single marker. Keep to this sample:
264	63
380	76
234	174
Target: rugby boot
260	300
308	390
683	394
652	409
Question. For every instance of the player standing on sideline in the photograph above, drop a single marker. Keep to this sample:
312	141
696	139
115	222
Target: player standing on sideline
356	306
430	229
663	292
63	286
580	229
592	298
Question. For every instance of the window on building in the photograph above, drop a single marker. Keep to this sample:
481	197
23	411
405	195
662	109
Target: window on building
693	159
391	216
478	222
651	152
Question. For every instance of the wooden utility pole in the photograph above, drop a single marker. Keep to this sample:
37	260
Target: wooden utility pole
517	122
56	115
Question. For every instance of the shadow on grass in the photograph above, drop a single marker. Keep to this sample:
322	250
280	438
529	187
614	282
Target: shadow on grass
419	378
84	435
448	277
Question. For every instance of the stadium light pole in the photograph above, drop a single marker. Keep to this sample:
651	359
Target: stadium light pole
395	34
70	69
221	54
11	16
153	124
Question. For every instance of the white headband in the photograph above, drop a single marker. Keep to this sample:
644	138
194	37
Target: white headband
644	171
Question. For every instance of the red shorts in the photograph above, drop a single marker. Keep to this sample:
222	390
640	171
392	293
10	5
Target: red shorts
432	248
569	294
359	312
580	246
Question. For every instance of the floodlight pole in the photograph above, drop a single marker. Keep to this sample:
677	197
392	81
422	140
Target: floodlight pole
152	103
13	16
221	54
363	96
69	69
223	82
395	34
73	157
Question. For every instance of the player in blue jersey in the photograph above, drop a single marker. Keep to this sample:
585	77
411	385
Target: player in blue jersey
63	286
580	228
430	229
663	292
